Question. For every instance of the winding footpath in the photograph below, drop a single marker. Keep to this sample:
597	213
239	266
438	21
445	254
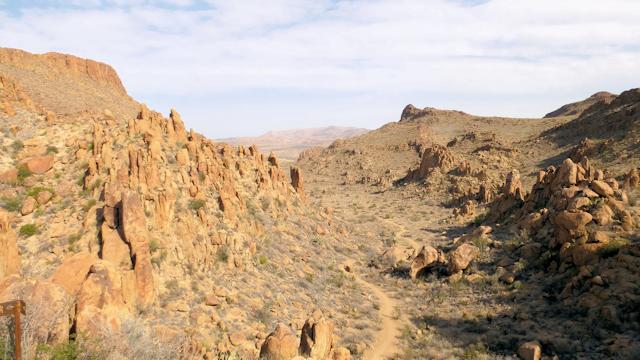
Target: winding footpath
385	344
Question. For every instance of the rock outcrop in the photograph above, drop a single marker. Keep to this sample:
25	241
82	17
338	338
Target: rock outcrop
297	181
9	255
461	257
316	341
427	257
281	344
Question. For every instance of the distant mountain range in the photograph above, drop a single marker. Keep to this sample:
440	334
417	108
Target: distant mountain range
287	144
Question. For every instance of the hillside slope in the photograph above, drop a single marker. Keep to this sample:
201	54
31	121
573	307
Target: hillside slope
492	242
148	241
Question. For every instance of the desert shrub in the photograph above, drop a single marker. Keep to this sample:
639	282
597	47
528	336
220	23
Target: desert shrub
263	314
474	351
23	172
12	204
223	254
154	245
17	145
480	218
34	191
91	203
481	243
72	241
96	184
338	279
52	150
136	340
262	260
613	247
28	230
197	204
65	351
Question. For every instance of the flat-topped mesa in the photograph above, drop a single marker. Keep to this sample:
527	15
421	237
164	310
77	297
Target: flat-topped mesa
95	70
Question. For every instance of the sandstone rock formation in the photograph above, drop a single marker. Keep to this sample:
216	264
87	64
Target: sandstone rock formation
461	257
317	337
281	344
9	256
427	257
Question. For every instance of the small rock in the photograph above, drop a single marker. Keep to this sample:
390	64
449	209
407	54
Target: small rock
237	339
597	280
508	278
212	300
44	197
28	206
530	350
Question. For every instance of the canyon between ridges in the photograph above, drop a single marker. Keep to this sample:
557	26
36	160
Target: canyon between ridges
442	235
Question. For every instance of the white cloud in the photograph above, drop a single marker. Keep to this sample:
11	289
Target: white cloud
364	59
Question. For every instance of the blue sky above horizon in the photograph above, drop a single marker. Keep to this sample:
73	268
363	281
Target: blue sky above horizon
245	67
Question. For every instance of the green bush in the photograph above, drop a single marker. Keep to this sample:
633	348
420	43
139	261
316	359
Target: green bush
64	351
17	145
91	203
196	204
52	150
12	204
34	191
154	245
28	230
223	255
23	172
72	241
262	260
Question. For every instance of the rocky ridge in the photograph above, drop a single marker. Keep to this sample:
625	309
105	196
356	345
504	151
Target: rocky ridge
135	225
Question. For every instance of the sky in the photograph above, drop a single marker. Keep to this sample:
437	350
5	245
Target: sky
244	67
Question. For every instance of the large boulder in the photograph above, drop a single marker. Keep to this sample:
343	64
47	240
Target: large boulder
73	271
601	188
28	206
9	177
461	257
317	337
530	350
39	164
571	225
427	257
567	174
103	301
9	255
281	344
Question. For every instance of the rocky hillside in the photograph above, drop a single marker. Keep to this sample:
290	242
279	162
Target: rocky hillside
123	230
499	238
579	107
288	144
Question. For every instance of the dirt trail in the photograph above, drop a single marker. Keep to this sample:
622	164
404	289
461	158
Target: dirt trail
385	344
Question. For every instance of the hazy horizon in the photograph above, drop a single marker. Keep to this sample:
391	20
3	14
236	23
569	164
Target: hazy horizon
242	69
